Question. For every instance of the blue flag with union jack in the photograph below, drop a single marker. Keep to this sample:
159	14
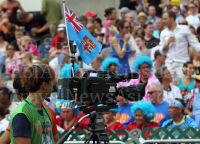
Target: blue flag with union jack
88	46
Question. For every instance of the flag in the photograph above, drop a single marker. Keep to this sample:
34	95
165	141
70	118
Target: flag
87	45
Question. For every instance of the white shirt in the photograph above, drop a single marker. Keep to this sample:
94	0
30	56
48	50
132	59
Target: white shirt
4	124
178	50
193	20
54	65
11	109
172	93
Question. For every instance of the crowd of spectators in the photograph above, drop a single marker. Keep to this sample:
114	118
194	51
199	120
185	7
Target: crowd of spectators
158	39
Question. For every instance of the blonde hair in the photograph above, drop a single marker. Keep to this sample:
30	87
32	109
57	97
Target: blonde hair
191	53
30	56
27	38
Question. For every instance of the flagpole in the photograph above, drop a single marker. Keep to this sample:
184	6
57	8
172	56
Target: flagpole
68	38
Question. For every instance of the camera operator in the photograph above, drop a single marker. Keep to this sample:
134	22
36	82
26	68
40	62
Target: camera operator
155	93
31	122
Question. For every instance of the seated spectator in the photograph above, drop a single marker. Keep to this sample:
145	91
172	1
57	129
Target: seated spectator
90	28
111	64
64	50
5	22
123	115
170	91
150	40
195	58
186	83
12	71
152	16
100	37
159	60
183	22
18	34
3	44
35	25
69	116
2	63
176	10
140	41
193	107
143	112
13	58
27	46
36	60
66	71
11	8
155	93
3	120
83	20
96	62
160	27
143	66
123	11
105	53
10	35
98	26
178	119
109	120
5	96
26	59
57	40
142	18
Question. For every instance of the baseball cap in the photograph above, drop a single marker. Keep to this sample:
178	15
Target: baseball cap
90	14
61	25
124	10
60	29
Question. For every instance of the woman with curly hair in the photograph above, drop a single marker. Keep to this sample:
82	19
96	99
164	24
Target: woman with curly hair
110	64
143	112
12	71
143	66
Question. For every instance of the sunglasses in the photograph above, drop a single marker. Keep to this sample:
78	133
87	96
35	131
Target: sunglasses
151	92
182	23
191	7
127	27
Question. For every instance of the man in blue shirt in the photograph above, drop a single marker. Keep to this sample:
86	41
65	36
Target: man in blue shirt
2	62
152	16
178	119
155	93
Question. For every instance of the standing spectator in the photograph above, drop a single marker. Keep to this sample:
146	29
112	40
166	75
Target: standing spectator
193	18
3	120
160	27
11	7
10	35
143	112
27	46
57	40
90	16
193	107
159	60
5	96
174	42
186	83
12	59
143	66
35	24
152	16
155	93
159	4
178	119
110	15
52	10
83	20
90	28
18	34
99	29
12	73
3	44
150	40
170	91
123	11
96	62
179	17
120	47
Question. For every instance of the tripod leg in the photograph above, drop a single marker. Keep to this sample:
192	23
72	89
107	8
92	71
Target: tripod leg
87	141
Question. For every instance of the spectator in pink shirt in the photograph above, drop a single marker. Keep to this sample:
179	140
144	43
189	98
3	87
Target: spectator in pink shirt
13	58
28	47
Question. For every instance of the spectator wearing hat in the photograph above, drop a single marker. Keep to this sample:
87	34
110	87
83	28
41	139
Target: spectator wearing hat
5	95
170	91
193	107
13	58
178	119
69	117
35	25
111	64
130	4
52	10
143	112
152	16
142	18
36	60
60	27
150	40
90	16
123	11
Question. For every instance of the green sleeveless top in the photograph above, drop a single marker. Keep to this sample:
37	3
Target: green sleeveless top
36	130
